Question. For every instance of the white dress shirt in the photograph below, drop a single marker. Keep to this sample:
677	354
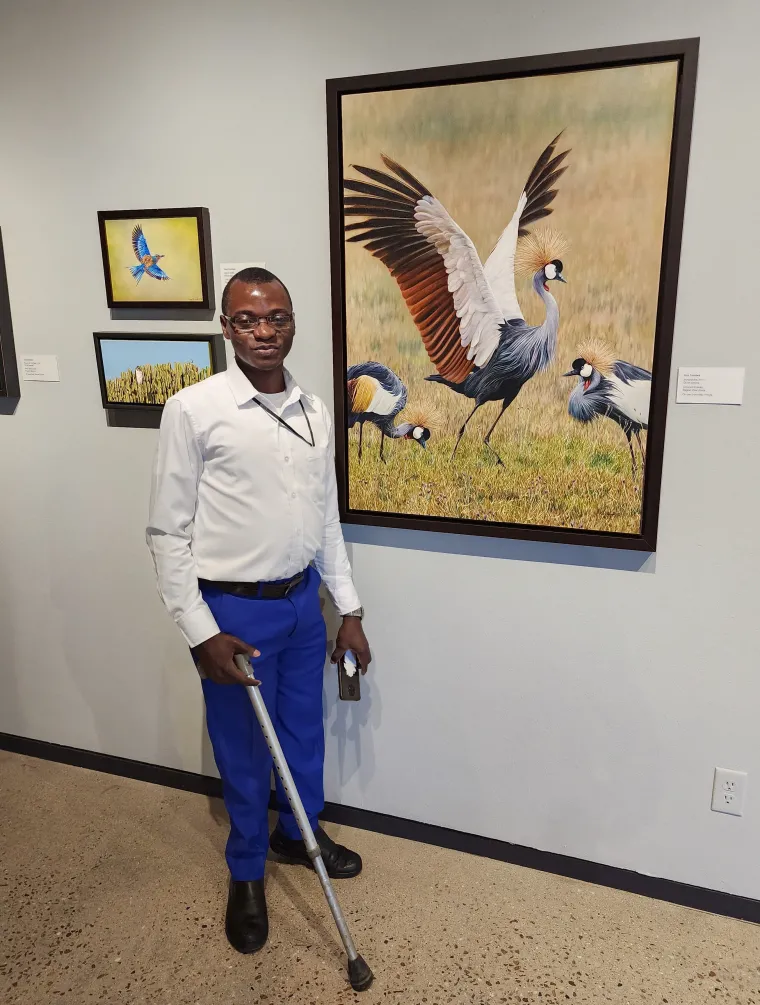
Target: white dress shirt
237	497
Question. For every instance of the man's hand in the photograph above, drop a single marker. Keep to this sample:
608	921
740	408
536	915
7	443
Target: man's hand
216	658
351	636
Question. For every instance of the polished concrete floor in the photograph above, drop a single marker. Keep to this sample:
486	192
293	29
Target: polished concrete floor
113	890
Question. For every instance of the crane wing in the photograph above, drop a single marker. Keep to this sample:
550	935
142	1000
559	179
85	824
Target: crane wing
367	395
434	263
632	390
382	374
361	391
532	205
139	244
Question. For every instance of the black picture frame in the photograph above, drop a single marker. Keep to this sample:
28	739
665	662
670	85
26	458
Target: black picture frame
685	51
9	382
121	413
201	215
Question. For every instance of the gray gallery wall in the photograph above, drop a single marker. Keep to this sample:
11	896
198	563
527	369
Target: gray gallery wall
565	698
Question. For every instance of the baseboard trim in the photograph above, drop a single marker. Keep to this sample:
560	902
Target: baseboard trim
172	778
699	898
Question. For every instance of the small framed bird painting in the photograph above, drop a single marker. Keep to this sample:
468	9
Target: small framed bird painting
505	243
159	258
140	372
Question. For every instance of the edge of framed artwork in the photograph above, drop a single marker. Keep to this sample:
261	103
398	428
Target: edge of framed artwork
202	216
686	51
10	388
516	66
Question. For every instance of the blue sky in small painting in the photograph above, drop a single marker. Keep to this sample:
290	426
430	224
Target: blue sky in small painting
121	354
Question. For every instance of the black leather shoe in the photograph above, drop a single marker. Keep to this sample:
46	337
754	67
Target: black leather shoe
247	924
339	861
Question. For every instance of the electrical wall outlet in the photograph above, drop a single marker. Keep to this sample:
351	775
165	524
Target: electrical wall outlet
729	789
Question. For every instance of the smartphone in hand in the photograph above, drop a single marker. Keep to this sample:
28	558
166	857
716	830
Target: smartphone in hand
348	678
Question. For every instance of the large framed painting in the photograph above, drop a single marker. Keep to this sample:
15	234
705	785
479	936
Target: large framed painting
9	384
157	258
505	251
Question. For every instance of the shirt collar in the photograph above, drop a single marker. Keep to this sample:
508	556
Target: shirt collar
243	390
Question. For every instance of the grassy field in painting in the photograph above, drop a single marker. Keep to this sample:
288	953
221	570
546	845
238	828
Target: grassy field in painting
159	382
567	481
474	146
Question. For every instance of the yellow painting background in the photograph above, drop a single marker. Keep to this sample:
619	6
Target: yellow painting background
177	239
473	146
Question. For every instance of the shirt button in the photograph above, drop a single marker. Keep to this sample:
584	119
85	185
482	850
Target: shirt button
287	459
293	496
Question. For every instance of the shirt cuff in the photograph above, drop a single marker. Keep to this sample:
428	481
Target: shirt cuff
197	626
347	600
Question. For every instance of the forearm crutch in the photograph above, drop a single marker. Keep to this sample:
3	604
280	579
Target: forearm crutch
359	974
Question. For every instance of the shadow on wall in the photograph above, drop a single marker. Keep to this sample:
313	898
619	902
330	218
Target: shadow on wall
346	722
499	547
148	313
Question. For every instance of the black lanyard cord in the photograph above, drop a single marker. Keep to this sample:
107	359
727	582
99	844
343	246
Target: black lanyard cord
287	425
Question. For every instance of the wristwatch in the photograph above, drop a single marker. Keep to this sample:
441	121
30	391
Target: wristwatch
358	613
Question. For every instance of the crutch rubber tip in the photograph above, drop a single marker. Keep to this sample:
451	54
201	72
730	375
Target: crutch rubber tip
359	974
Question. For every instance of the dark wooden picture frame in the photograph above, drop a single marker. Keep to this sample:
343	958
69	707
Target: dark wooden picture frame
145	414
685	53
202	218
9	382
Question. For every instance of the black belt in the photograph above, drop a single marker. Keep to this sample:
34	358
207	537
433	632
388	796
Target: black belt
264	591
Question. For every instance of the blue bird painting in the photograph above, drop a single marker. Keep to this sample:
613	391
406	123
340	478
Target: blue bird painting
148	263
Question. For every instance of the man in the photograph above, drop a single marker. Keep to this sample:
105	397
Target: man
243	523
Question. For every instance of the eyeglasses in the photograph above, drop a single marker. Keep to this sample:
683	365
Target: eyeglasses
280	321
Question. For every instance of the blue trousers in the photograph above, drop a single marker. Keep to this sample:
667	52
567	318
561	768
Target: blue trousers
290	634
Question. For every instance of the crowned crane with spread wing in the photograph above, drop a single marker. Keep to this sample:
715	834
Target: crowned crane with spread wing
468	314
147	261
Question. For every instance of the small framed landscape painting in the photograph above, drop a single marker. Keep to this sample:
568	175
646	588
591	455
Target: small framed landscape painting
159	258
505	251
139	372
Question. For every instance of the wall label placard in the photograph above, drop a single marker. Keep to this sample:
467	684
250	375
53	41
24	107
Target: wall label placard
228	269
710	385
40	367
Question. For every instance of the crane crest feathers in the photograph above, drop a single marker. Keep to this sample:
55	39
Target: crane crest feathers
537	249
425	414
599	354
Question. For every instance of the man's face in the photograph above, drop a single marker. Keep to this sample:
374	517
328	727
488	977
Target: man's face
266	346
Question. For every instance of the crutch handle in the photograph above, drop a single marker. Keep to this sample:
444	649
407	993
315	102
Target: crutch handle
244	665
